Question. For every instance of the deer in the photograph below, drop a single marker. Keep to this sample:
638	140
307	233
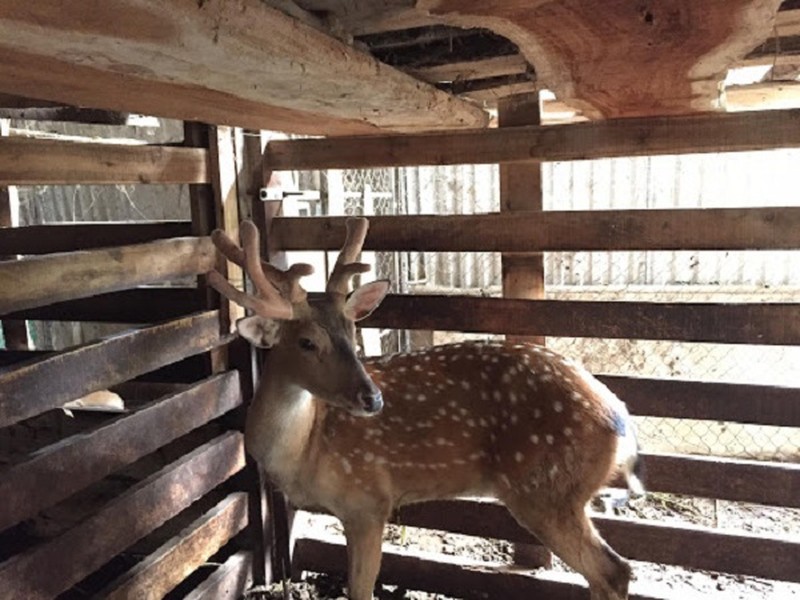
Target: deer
510	421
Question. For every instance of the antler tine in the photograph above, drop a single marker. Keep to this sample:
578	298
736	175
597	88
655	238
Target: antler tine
287	282
346	266
272	310
274	293
253	263
228	247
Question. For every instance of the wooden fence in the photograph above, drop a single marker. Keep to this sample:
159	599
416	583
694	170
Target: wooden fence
147	501
776	484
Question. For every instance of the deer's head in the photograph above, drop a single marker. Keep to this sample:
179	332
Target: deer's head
311	342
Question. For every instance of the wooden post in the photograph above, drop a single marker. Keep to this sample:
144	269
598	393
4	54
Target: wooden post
521	190
15	333
281	515
249	150
523	274
233	194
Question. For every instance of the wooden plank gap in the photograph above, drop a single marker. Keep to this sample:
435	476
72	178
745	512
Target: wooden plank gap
175	560
53	567
78	461
33	388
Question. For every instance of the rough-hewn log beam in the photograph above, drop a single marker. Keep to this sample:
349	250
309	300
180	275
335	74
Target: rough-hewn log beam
240	63
594	55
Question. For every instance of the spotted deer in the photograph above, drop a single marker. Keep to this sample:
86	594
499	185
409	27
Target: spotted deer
515	422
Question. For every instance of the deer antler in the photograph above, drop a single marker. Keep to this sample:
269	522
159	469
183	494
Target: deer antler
276	289
346	266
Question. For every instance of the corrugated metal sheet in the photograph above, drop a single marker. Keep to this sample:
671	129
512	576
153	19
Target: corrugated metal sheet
745	179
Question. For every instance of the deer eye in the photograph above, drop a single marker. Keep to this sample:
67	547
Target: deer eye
307	344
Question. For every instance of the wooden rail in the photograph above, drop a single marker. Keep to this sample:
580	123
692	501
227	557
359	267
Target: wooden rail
179	557
25	161
45	239
86	457
684	229
56	565
734	402
731	132
738	480
751	323
140	305
228	582
461	578
34	388
681	545
43	280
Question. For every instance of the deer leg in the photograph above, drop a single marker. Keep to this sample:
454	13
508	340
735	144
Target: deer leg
570	534
364	537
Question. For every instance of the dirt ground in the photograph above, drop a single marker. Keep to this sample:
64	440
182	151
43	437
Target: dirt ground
660	580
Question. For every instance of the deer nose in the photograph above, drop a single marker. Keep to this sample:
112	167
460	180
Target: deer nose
371	401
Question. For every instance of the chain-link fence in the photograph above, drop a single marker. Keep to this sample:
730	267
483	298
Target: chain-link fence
732	180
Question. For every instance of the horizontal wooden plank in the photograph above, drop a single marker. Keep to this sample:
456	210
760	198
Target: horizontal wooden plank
692	322
681	545
731	132
175	560
25	161
495	66
44	239
458	577
42	280
33	388
734	402
687	229
738	480
703	548
76	462
140	305
56	565
229	581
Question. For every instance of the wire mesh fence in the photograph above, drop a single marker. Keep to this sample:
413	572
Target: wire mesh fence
735	180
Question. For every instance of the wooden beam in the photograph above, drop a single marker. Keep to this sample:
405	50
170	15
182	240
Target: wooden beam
787	23
607	230
70	557
141	305
14	334
25	161
42	280
452	576
496	66
767	95
244	64
715	401
737	480
681	545
65	237
86	458
34	388
746	323
228	582
179	557
521	194
616	137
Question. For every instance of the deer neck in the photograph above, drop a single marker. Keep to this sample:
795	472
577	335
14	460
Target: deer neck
279	425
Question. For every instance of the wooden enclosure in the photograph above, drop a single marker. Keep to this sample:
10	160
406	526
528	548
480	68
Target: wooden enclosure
138	502
160	499
523	312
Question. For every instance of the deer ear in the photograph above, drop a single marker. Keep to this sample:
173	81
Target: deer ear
365	299
259	331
